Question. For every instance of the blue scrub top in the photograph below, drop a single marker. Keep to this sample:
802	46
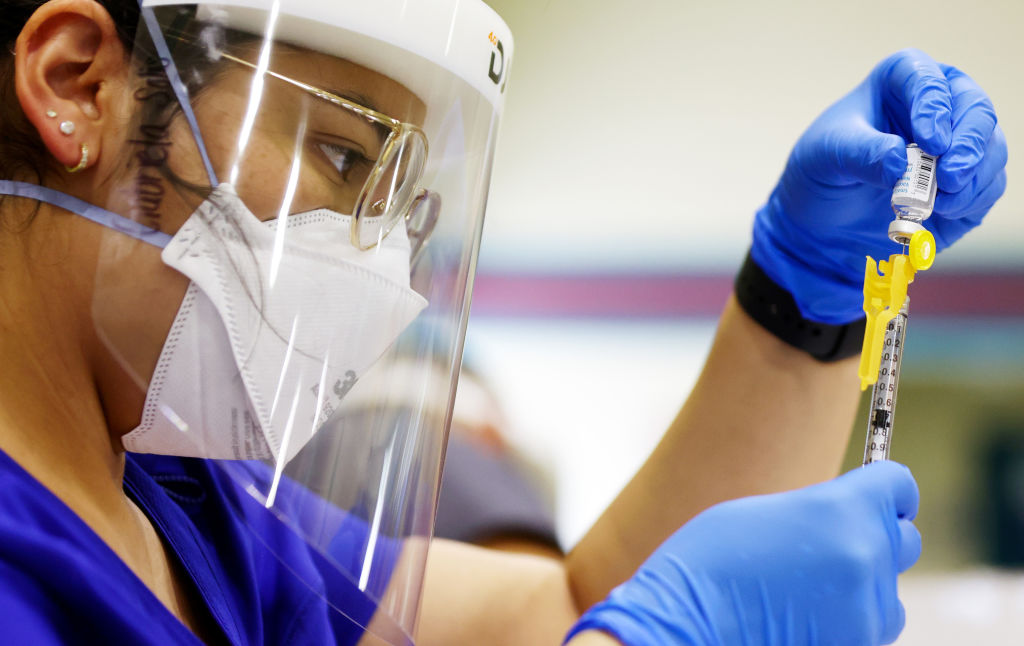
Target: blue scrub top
260	581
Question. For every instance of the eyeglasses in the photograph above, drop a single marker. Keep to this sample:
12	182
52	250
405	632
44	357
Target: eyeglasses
390	193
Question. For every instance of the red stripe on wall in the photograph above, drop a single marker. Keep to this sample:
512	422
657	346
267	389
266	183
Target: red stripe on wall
661	295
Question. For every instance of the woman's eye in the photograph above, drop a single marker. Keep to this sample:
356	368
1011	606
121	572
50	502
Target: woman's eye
341	157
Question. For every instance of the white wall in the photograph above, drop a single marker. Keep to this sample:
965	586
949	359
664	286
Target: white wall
586	402
645	133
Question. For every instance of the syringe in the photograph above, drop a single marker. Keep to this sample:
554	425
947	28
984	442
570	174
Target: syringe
885	297
883	395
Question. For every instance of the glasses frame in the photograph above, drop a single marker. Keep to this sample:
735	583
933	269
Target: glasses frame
400	130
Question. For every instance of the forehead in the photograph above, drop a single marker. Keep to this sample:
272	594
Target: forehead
349	80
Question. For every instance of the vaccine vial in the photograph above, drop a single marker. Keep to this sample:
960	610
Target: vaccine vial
913	197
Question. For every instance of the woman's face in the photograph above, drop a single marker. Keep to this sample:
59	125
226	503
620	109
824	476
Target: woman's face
284	149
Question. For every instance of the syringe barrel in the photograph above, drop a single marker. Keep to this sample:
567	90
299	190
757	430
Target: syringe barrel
883	396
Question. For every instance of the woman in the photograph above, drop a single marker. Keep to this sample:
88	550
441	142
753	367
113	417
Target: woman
217	221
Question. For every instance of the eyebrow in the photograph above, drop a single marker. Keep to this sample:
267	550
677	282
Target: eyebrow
380	130
353	97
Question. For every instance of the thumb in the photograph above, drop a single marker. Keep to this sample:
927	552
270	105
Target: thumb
887	480
867	156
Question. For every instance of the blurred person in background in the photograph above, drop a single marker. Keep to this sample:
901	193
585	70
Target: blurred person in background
489	496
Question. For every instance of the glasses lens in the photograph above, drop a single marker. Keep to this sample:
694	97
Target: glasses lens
392	194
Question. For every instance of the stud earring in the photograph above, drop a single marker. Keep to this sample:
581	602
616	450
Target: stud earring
52	114
82	163
67	127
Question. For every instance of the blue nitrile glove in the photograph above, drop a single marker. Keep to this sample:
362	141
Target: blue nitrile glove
807	567
831	206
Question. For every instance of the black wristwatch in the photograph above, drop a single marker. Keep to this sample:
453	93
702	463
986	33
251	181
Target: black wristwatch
775	310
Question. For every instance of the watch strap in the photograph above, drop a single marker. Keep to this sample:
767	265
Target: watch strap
775	310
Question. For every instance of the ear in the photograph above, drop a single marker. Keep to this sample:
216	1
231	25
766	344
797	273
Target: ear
68	59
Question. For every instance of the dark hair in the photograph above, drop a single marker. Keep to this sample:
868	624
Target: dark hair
22	153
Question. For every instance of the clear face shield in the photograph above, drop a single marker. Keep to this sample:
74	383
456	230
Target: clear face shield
296	233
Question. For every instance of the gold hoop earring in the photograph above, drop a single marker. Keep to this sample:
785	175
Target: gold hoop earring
82	163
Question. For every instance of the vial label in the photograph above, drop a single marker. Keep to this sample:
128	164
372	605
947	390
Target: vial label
918	181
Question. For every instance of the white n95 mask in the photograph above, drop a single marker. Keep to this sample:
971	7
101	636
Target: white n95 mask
273	331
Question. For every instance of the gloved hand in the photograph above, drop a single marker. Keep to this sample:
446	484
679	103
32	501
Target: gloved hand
812	566
831	206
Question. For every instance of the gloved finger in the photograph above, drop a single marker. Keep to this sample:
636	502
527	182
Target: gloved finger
948	230
974	120
895	625
915	80
890	613
866	155
951	200
894	480
910	545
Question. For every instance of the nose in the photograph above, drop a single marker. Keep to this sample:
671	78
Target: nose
422	218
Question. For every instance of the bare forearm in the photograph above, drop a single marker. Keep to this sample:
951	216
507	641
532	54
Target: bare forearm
594	638
763	417
474	596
